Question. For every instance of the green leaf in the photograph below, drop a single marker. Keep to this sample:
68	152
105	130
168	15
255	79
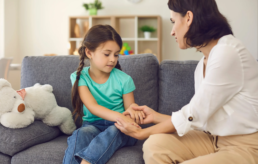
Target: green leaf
86	6
147	28
97	5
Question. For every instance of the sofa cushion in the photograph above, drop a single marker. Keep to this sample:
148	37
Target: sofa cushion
5	159
53	152
56	71
128	155
176	84
15	140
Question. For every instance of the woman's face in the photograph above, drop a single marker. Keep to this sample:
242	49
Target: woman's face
180	27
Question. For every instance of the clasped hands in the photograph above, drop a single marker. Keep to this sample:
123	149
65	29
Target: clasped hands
136	115
140	115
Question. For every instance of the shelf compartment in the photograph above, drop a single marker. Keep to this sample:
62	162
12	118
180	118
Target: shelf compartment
125	26
150	21
84	24
74	45
146	46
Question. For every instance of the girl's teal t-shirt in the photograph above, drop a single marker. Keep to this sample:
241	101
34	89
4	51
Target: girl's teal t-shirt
109	94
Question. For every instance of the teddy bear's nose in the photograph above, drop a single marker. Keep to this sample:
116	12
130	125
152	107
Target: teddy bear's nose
21	108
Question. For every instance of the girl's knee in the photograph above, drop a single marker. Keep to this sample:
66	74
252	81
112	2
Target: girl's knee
113	129
82	134
88	132
113	132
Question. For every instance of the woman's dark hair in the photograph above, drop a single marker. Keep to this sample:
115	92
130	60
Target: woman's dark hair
95	36
208	23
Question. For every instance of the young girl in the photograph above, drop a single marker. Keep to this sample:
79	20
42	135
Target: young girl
105	92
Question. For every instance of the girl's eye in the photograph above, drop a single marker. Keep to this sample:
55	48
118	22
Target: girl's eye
106	54
116	55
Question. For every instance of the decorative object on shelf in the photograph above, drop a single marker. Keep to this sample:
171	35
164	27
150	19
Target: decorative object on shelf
85	27
148	51
134	1
50	55
76	31
76	52
147	30
126	50
93	7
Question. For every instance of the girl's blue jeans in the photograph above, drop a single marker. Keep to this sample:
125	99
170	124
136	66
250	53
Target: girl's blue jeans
95	142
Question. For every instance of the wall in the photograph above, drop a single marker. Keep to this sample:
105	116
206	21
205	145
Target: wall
242	16
243	19
38	27
11	37
43	24
11	30
1	28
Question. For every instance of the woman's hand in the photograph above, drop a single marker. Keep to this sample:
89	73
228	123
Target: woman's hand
149	113
129	129
137	116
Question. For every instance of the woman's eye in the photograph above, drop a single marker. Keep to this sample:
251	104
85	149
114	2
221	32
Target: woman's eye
116	55
106	54
172	21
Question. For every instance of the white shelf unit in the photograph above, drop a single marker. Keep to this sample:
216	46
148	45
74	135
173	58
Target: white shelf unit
128	28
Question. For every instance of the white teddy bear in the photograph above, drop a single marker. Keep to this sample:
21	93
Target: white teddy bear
12	108
39	102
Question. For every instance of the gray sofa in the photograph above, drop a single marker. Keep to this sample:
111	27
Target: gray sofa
165	87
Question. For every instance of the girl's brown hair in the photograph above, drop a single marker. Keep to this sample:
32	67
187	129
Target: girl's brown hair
95	36
208	23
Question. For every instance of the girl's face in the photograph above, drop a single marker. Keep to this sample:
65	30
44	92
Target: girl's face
180	27
105	57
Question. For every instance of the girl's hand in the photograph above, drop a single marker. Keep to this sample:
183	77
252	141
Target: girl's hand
128	120
149	113
137	116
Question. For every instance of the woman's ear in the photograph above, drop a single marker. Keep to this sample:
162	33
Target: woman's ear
88	53
189	16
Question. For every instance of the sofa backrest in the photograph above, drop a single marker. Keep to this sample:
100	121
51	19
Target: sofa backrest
144	69
56	71
176	84
53	70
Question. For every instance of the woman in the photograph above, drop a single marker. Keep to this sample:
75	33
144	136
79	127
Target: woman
223	112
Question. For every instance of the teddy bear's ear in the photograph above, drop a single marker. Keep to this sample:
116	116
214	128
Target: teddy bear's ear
37	85
4	83
47	87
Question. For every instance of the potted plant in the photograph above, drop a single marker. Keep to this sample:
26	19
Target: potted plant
147	30
93	7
